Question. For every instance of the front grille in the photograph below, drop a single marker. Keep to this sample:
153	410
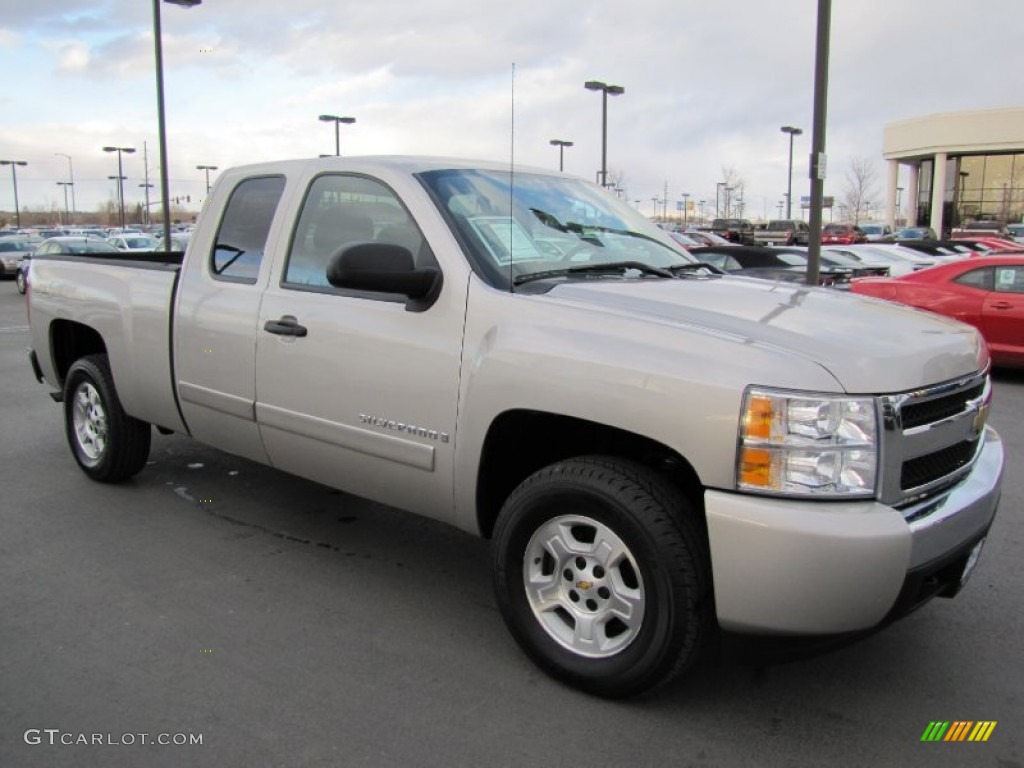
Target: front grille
929	411
935	466
930	438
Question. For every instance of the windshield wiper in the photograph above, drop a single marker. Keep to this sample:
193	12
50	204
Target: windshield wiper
694	266
612	266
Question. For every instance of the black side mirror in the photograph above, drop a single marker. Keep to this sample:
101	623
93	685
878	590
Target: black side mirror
382	267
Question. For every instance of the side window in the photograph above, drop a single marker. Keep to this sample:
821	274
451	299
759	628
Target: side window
1010	279
977	278
242	237
340	210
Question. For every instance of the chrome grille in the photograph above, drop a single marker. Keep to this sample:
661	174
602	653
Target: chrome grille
930	437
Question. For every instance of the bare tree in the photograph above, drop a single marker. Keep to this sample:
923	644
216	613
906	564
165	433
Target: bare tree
731	192
861	187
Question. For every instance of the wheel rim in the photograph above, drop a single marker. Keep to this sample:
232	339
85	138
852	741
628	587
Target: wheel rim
19	281
89	419
583	586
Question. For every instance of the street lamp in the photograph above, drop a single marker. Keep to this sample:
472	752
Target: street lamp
700	213
337	121
14	177
789	179
161	121
65	184
686	201
561	151
120	176
614	90
146	187
71	181
207	168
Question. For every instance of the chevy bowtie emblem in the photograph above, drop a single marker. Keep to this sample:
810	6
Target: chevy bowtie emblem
584	584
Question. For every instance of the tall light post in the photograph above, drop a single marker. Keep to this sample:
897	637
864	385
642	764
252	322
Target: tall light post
120	176
337	121
561	151
700	203
686	202
161	121
207	168
614	90
145	188
71	181
789	178
65	184
14	178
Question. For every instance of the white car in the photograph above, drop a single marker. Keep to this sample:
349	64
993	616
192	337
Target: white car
133	243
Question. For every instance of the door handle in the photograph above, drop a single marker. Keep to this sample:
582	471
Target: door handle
1001	305
286	326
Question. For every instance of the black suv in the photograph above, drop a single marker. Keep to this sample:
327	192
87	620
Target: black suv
734	230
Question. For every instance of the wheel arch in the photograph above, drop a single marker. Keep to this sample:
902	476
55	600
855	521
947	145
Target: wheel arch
520	442
69	341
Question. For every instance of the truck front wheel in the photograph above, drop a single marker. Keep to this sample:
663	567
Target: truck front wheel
108	444
602	576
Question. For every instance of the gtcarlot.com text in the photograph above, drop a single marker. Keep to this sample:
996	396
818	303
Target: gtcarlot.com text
57	737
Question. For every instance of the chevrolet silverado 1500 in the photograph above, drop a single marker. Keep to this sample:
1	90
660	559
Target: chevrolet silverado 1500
658	452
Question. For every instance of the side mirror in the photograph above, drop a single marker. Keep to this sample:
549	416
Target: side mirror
381	267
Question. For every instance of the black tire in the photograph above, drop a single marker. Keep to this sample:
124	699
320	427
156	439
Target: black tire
661	575
108	444
19	280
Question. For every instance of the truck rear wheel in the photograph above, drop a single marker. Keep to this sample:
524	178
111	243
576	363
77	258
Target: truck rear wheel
601	575
108	444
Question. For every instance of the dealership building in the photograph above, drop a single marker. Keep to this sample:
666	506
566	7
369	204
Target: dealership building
949	169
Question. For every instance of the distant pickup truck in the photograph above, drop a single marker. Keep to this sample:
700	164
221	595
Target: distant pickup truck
658	451
783	232
734	230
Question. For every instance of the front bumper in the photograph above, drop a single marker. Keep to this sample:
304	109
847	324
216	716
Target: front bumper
795	567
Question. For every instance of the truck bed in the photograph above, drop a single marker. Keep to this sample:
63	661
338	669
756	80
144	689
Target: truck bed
129	306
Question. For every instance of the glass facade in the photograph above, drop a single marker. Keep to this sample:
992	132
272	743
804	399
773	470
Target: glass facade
978	187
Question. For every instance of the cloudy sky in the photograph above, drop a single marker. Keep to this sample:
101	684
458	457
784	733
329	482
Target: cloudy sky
707	85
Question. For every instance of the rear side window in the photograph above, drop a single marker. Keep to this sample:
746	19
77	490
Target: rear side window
977	278
242	237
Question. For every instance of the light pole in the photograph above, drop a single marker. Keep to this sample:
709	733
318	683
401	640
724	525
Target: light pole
146	187
65	184
161	121
561	151
614	90
14	178
700	203
686	202
120	176
207	168
71	181
337	121
789	178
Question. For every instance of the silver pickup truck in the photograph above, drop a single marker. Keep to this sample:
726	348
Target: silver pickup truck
660	453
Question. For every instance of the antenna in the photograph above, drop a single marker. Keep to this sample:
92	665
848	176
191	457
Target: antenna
511	179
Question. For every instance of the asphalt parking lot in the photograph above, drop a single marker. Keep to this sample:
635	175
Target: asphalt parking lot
286	624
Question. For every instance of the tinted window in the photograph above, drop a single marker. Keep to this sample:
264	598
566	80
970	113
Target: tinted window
340	210
977	278
242	237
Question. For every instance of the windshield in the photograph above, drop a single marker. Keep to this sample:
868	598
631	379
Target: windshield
781	226
528	224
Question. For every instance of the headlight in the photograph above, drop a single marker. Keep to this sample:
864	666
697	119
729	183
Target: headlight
803	443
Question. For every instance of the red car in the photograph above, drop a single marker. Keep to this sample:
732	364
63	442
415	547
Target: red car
987	292
842	234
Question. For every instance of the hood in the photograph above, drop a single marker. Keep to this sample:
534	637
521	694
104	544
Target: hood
869	346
